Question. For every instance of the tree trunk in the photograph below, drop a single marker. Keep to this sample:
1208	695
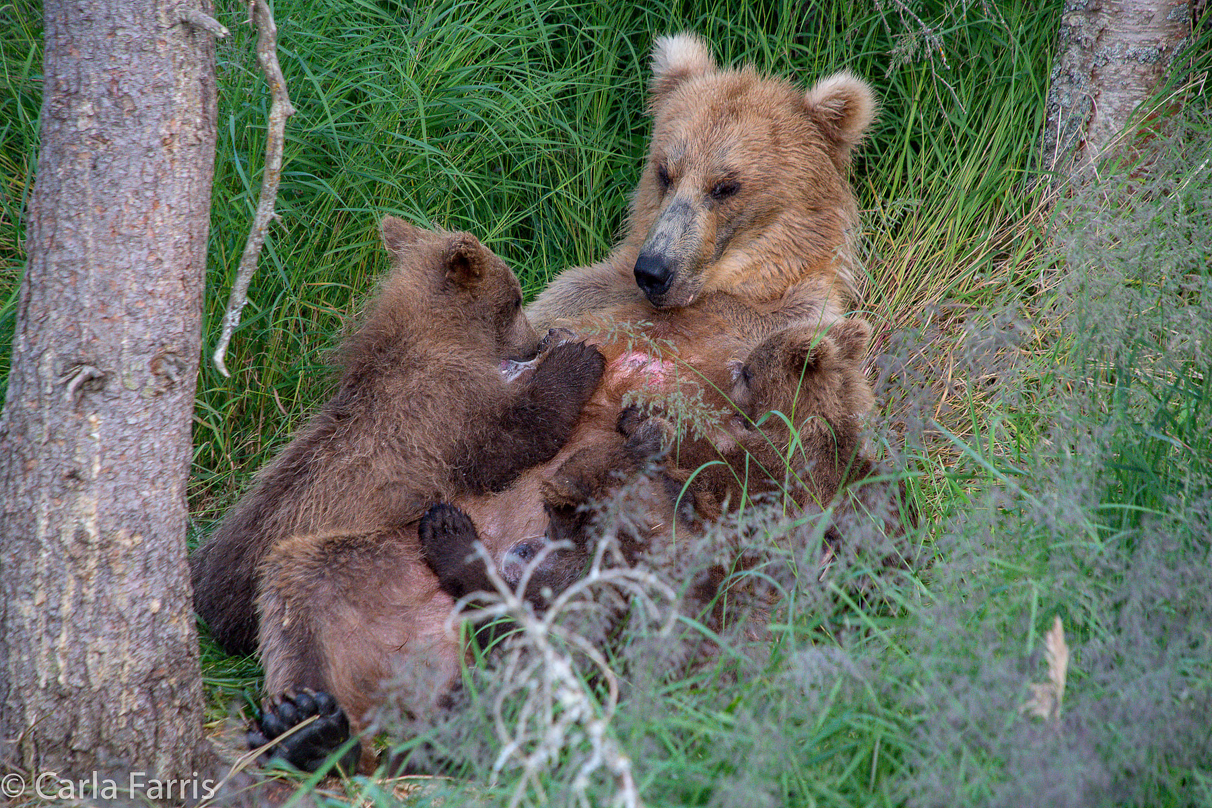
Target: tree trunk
1111	56
98	654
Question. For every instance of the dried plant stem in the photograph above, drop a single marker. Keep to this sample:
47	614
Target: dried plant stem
280	109
558	705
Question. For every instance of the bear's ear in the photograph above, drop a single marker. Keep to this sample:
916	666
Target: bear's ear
466	260
806	350
851	336
398	235
676	59
843	106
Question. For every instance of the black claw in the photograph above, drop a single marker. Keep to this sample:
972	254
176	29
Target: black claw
305	704
326	704
270	721
287	713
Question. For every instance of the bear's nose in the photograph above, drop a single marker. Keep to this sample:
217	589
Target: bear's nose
652	275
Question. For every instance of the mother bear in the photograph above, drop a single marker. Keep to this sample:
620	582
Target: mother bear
744	192
743	222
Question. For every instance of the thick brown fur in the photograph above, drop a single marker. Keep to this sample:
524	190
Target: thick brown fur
743	225
353	614
541	567
422	413
362	616
345	612
801	399
744	201
669	359
781	418
744	192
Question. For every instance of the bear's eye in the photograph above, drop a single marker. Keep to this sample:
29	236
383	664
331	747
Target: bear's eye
517	301
663	177
747	376
724	189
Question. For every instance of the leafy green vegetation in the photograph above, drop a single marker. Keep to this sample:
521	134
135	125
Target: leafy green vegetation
1043	376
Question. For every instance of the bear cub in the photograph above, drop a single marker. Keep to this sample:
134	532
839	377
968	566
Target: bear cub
427	409
441	396
541	567
799	399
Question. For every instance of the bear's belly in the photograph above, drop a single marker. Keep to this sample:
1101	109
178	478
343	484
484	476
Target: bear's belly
503	518
639	369
660	371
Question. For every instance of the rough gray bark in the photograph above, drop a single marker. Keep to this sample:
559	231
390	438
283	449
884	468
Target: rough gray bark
1111	56
99	662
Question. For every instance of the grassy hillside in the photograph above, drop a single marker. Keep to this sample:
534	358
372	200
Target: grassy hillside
1044	376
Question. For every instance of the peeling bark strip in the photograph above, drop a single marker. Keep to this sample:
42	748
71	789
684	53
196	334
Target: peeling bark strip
99	663
1112	55
279	110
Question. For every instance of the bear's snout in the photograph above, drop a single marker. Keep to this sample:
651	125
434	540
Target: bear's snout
653	275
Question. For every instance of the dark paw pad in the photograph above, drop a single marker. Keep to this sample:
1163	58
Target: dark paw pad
575	366
448	539
307	747
554	337
651	440
445	529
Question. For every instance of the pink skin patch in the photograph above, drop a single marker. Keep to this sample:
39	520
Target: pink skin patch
652	371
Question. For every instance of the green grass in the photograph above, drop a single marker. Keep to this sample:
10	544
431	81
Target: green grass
1051	391
525	124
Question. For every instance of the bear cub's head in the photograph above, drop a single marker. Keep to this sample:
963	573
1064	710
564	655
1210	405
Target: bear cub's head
812	375
451	288
745	187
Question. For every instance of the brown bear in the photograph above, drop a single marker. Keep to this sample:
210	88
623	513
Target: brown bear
743	224
426	409
351	618
675	360
541	567
783	416
801	398
744	192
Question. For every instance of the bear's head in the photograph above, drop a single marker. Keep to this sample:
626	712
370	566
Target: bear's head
745	189
546	565
813	375
458	288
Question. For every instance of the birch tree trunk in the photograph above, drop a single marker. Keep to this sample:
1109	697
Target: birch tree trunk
1111	56
99	662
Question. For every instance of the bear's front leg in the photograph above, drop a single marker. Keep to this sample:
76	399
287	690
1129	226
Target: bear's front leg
448	538
536	422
